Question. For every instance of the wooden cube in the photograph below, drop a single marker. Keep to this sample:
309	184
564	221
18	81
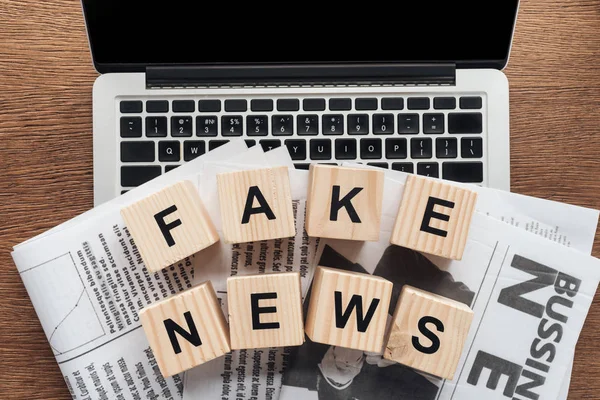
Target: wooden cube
265	310
344	203
186	330
170	225
428	332
256	205
348	309
434	217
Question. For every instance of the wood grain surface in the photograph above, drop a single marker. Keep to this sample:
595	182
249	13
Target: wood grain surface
46	78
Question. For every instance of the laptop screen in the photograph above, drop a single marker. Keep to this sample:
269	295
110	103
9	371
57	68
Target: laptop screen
130	34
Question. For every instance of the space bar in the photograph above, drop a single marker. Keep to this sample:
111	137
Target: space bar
468	172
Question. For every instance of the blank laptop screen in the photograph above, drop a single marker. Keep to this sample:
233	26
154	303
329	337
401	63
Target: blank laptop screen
136	33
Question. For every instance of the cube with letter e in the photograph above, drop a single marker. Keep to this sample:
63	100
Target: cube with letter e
256	205
428	332
348	309
344	203
186	330
265	310
434	217
170	225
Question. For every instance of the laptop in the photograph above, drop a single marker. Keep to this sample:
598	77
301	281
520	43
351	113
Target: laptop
418	88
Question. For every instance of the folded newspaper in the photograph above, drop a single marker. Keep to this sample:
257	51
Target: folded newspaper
87	282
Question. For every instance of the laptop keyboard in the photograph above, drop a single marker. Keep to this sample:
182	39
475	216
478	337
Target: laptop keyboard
431	135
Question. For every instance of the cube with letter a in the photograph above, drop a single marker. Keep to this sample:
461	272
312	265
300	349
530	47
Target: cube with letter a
186	330
344	203
348	309
265	310
256	205
170	225
434	217
428	332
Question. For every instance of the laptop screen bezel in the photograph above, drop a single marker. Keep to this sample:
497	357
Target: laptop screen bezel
104	68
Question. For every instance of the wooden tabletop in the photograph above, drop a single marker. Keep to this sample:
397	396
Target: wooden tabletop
46	78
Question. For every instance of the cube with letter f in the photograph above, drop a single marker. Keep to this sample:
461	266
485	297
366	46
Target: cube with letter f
170	225
344	203
434	217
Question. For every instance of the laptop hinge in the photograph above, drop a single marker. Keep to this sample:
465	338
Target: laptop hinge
300	75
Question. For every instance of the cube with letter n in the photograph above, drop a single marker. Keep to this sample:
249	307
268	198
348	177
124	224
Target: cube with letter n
256	205
187	329
170	225
265	310
434	217
344	203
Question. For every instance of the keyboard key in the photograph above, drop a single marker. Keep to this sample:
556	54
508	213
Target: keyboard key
156	126
137	151
184	106
465	123
345	149
238	105
305	166
193	149
296	148
379	164
131	127
340	104
333	124
392	103
124	191
421	148
261	105
313	104
408	123
232	125
283	125
308	125
207	125
170	167
128	107
181	126
138	175
383	124
257	125
365	104
157	106
213	144
270	144
370	149
209	105
471	147
409	168
433	123
358	124
288	105
169	151
444	103
468	172
428	169
320	149
418	103
395	148
470	102
250	142
446	148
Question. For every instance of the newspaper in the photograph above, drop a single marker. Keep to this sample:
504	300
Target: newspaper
495	279
87	282
251	373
